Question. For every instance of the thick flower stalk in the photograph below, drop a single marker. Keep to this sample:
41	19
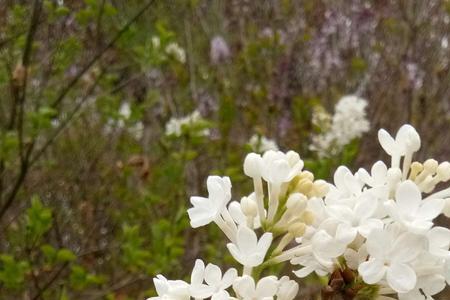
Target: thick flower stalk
370	233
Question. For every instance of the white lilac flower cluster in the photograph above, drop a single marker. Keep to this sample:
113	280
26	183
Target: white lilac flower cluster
176	51
370	233
172	49
192	122
348	122
260	143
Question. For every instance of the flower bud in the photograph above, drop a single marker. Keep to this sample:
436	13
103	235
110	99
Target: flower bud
320	188
443	171
253	165
446	210
416	168
430	165
413	139
296	202
307	175
249	207
304	186
297	229
307	217
292	157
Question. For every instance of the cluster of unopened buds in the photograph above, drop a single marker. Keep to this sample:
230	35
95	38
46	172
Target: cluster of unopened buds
369	234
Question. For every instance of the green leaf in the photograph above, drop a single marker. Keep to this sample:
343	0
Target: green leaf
65	255
12	272
38	218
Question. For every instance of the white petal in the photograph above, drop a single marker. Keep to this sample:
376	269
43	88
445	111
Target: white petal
305	271
264	243
439	238
236	253
387	142
408	197
198	272
372	271
213	275
245	287
376	243
246	239
430	209
401	278
379	172
266	287
407	247
228	278
366	207
366	227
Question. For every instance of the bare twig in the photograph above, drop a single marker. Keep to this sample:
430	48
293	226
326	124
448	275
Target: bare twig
86	68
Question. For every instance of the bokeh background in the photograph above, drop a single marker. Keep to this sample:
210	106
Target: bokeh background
94	192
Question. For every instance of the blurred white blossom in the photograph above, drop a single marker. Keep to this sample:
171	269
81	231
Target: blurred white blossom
175	126
261	144
173	49
348	122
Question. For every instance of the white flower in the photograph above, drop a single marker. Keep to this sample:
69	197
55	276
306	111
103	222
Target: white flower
407	139
279	167
287	289
406	142
212	276
206	210
311	264
265	289
331	239
176	51
262	144
410	210
358	216
390	255
248	251
170	289
346	187
378	176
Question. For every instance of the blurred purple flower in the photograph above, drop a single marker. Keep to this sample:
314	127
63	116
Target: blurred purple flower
219	51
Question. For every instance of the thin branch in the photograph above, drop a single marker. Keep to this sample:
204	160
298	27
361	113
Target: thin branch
66	121
86	68
51	281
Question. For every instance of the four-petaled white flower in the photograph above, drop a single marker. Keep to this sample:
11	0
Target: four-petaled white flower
215	284
288	289
389	256
248	251
279	167
410	210
265	289
407	139
206	210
